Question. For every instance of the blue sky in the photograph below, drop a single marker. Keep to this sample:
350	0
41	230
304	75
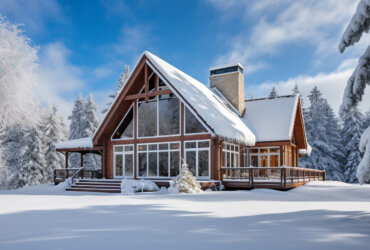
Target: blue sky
84	45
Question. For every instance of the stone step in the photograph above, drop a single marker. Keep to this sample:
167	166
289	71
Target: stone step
94	190
97	184
96	187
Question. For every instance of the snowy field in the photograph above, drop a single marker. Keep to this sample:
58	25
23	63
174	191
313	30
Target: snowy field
327	215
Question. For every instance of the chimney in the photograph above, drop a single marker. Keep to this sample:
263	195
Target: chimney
229	80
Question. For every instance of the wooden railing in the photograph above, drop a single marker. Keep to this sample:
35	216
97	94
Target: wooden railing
281	177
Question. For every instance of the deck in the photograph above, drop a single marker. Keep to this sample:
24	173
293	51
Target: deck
281	178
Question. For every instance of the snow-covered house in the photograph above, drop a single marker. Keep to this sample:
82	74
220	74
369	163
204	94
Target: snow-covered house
162	115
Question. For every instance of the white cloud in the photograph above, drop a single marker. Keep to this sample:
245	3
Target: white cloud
281	23
330	84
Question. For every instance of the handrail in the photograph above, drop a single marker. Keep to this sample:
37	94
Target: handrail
283	167
76	174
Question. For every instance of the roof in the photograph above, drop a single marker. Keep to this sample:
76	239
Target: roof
83	143
213	111
271	119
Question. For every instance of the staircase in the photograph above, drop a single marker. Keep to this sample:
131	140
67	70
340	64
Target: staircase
96	185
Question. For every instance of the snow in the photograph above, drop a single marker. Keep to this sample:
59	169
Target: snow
76	143
318	215
133	186
363	170
306	151
221	120
271	119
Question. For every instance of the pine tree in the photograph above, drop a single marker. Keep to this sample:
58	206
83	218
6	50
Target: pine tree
351	134
90	124
185	182
367	119
54	131
121	82
323	135
296	90
273	93
76	127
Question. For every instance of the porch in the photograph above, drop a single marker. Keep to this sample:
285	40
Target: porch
280	178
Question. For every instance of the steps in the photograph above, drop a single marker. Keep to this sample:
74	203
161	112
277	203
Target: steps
100	185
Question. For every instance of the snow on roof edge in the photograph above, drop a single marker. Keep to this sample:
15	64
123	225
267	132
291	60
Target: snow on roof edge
83	143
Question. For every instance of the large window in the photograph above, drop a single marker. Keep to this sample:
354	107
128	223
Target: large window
123	161
197	156
230	155
159	116
265	157
192	125
158	159
125	129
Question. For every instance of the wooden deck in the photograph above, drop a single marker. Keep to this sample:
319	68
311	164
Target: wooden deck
281	178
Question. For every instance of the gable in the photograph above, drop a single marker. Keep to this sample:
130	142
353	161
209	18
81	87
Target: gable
200	100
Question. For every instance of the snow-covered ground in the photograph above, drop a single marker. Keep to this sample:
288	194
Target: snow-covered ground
319	215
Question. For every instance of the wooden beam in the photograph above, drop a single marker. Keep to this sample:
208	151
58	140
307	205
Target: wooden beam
271	143
151	94
146	83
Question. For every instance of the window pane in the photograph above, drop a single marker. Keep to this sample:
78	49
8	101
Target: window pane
174	163
203	161
254	160
142	164
232	160
129	165
153	164
192	125
190	160
129	148
118	149
161	84
227	146
263	150
126	128
163	146
274	161
147	119
236	157
263	160
275	150
163	164
152	146
119	162
224	160
190	144
151	83
203	144
253	150
169	116
142	148
228	159
174	146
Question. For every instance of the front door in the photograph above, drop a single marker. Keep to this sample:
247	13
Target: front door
123	165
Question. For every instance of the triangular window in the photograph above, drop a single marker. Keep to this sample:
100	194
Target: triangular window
192	125
126	127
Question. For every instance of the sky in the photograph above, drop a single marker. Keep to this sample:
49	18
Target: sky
84	45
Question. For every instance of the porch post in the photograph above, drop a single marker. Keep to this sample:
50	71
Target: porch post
82	159
66	155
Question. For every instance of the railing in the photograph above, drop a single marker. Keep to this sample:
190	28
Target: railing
78	173
283	177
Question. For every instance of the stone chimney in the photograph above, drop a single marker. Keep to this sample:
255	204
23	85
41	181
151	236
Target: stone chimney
229	80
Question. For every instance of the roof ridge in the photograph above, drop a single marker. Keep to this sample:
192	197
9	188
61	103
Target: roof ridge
270	98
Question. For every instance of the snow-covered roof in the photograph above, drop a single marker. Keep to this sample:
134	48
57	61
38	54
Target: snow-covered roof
224	122
83	143
271	119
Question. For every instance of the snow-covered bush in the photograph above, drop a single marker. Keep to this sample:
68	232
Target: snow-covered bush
185	182
133	186
363	171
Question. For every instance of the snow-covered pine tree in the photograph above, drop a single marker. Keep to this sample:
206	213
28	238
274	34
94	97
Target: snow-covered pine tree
90	124
351	134
121	81
356	84
55	131
296	90
273	93
185	182
367	119
76	127
319	121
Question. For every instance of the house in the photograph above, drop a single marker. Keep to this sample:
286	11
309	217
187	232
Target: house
162	115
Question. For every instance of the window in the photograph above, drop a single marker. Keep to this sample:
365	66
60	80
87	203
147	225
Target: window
265	157
192	125
158	159
159	117
123	161
197	156
231	155
125	129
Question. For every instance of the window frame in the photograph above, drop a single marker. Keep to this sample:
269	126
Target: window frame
197	149
266	154
230	152
147	151
123	153
196	117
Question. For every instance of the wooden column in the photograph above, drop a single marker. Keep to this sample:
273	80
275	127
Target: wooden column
104	158
135	139
146	83
66	165
182	128
82	159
